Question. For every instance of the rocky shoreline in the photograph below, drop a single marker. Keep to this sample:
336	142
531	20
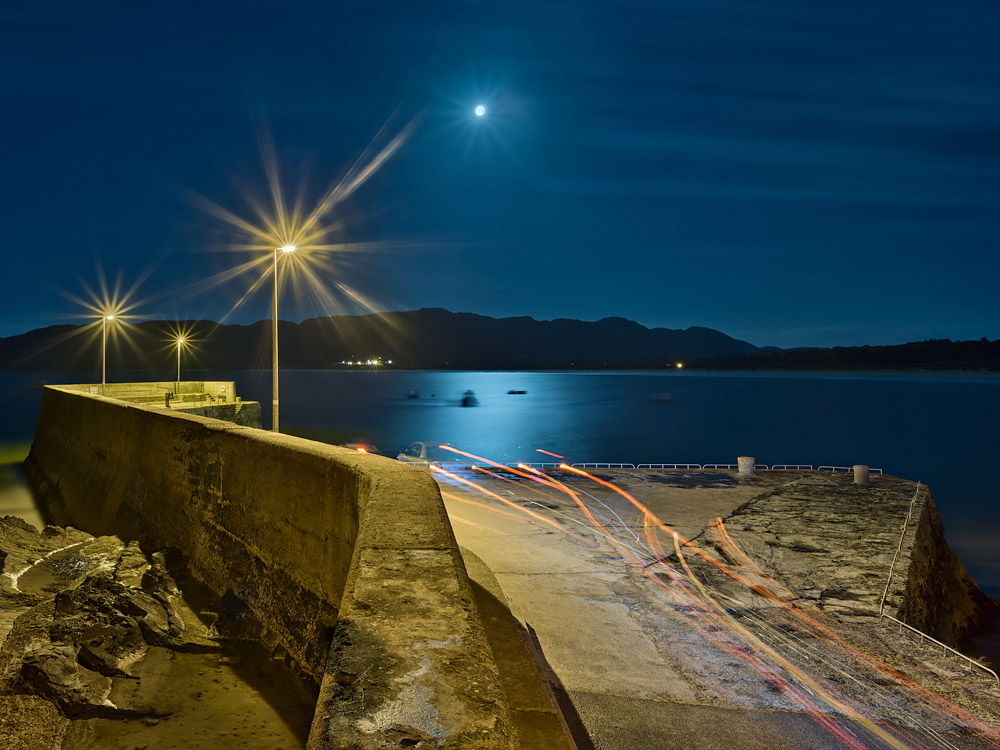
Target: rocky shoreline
102	648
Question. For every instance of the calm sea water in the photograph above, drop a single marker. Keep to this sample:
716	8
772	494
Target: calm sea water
943	431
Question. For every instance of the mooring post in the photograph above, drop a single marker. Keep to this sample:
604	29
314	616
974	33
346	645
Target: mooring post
860	474
746	464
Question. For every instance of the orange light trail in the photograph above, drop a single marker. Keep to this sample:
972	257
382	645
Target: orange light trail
505	501
946	707
549	453
758	644
650	518
490	508
715	620
487	472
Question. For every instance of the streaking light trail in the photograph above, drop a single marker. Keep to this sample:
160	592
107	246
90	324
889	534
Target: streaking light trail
790	645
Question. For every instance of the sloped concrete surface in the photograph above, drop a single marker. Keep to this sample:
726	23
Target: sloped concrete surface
770	638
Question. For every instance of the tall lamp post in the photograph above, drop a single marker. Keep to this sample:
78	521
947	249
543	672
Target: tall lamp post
104	351
180	343
274	342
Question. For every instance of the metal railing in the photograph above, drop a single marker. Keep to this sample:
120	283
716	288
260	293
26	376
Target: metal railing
676	466
945	648
534	466
600	465
881	607
836	469
668	466
899	548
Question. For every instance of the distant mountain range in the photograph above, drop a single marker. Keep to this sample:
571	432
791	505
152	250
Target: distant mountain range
431	338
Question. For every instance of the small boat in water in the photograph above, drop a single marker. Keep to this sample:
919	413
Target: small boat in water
663	398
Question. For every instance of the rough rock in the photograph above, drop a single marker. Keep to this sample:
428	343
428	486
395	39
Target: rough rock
52	670
92	610
832	542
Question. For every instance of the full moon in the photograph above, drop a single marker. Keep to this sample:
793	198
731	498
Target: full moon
480	110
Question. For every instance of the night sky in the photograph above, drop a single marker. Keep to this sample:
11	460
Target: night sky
791	173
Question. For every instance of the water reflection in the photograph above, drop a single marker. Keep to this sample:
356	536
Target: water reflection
15	496
939	430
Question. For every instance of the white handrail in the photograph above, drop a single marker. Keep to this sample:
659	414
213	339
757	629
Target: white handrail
689	466
899	547
846	468
668	466
599	465
946	647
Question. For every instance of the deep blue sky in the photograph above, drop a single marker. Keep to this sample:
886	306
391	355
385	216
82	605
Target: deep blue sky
791	173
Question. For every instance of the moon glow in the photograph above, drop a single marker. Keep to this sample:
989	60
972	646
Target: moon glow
480	110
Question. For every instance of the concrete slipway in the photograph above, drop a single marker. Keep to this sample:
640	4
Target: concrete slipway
634	663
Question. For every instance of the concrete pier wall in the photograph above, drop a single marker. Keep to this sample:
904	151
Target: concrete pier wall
152	391
206	398
939	596
347	560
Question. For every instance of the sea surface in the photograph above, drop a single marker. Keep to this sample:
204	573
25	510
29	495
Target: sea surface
943	430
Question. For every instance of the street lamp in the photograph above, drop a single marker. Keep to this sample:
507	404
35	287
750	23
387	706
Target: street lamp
180	343
274	343
104	350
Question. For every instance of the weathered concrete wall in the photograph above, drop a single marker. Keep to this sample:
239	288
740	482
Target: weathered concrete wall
152	391
832	542
309	537
216	399
244	413
940	597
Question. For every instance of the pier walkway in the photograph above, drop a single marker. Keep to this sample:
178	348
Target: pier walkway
762	634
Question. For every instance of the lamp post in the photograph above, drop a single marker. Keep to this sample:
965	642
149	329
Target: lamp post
274	342
180	343
104	351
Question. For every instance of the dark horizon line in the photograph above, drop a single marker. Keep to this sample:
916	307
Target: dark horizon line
267	321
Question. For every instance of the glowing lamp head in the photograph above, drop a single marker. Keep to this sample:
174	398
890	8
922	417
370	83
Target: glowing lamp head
287	249
180	340
109	317
480	110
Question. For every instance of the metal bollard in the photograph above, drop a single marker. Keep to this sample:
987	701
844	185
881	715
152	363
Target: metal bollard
746	465
860	474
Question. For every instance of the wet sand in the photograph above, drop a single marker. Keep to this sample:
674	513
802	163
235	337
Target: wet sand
223	692
15	496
